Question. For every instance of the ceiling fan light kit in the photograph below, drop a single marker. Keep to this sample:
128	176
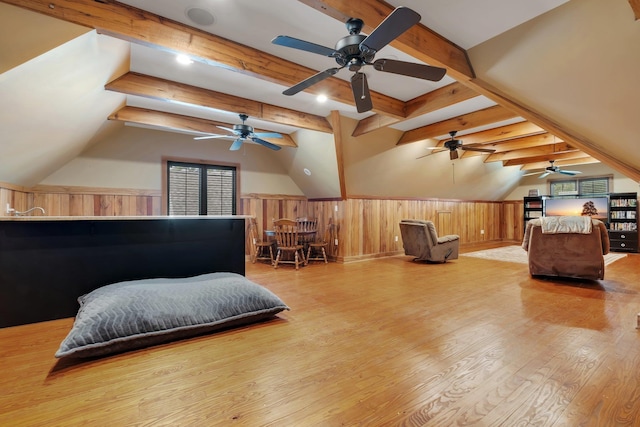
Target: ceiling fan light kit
453	144
241	132
357	50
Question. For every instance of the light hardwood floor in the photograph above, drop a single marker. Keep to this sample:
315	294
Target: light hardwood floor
372	343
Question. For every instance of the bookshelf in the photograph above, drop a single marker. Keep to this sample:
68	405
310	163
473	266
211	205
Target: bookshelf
623	222
532	208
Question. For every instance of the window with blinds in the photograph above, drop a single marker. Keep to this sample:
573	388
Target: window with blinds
580	186
200	189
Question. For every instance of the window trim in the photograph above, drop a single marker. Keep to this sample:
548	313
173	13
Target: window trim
165	183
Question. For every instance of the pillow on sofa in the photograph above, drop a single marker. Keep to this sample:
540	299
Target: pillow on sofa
134	314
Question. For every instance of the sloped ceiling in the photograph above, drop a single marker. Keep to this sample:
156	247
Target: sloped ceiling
58	106
54	105
578	64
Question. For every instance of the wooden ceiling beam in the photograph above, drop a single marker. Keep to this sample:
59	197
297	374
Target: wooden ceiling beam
537	151
166	90
440	98
574	154
142	27
423	104
182	123
512	145
503	133
635	6
521	143
337	137
466	121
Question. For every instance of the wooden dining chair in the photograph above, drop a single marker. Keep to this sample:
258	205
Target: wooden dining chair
316	249
262	249
307	229
287	240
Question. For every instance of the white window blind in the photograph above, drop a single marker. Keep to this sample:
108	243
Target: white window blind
581	186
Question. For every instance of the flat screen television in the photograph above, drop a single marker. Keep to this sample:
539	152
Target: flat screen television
596	207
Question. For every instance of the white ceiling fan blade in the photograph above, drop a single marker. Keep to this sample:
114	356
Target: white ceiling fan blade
213	136
236	145
544	175
226	128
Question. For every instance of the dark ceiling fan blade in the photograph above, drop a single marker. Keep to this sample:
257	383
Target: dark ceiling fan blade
304	45
398	21
236	145
420	71
267	134
311	81
361	94
483	150
453	154
265	143
213	136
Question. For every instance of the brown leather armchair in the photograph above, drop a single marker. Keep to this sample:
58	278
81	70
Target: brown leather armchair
420	239
574	255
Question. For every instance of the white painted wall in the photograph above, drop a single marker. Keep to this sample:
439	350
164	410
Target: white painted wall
316	153
376	166
132	158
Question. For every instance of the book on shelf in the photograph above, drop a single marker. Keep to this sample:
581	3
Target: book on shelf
623	203
624	226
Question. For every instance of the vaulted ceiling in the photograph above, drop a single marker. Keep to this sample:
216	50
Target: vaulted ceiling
472	99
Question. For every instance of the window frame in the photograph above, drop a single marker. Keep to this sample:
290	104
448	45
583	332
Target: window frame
202	163
576	180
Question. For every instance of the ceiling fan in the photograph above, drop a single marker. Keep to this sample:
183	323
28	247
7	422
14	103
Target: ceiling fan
243	132
553	169
357	50
452	145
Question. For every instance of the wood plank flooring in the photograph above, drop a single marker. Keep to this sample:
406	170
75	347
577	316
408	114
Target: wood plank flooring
371	343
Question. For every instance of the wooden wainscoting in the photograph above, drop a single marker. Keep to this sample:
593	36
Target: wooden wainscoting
513	224
364	228
81	201
368	228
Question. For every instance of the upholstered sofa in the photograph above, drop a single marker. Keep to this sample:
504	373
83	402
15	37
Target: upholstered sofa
563	252
420	240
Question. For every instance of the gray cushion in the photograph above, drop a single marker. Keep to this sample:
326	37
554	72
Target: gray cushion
134	314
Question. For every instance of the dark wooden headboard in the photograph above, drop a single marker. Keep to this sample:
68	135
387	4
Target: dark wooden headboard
45	265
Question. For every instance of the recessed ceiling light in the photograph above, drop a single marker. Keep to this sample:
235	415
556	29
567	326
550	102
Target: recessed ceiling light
321	98
307	172
199	16
184	59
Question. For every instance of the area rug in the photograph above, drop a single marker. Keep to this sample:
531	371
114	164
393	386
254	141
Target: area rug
517	254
